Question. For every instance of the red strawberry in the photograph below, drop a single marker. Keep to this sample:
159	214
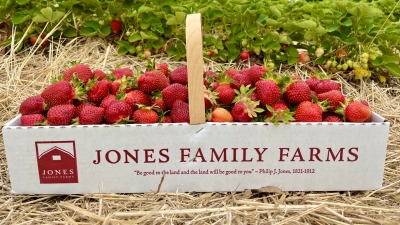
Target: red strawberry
357	112
279	112
116	26
152	81
255	73
58	93
334	98
304	58
100	74
82	72
118	112
220	115
268	92
226	94
332	119
158	101
173	93
166	119
326	85
308	112
163	68
99	90
35	39
280	105
32	119
312	82
179	75
245	111
298	92
240	79
32	105
120	72
115	87
231	72
90	114
180	112
107	101
82	104
145	115
61	114
137	97
245	55
209	98
341	53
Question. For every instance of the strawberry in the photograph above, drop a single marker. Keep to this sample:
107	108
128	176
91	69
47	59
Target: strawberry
255	73
326	85
116	26
245	55
304	58
32	105
58	93
80	106
298	92
99	90
341	53
115	86
158	101
118	112
82	72
220	115
210	53
209	98
245	111
279	112
231	72
356	111
334	98
137	97
61	114
163	68
120	72
32	119
179	75
268	91
107	101
100	74
173	93
319	52
308	112
240	79
166	119
332	119
312	82
226	94
34	39
180	112
145	115
280	105
152	81
90	114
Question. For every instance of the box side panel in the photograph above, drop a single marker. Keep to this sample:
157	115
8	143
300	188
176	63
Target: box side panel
207	157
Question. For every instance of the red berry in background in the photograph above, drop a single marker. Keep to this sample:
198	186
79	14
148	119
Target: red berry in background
304	58
163	68
332	119
100	74
34	39
245	55
116	26
341	53
255	73
120	72
82	72
210	53
179	75
312	82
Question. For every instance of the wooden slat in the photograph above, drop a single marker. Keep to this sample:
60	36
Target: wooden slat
195	64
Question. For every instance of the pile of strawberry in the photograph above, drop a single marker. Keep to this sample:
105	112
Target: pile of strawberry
158	95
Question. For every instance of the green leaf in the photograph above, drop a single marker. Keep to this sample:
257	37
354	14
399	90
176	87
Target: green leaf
292	51
393	68
350	40
93	24
40	19
22	2
378	61
172	21
122	50
390	59
180	16
346	22
326	45
105	31
274	45
144	25
320	60
123	44
172	51
309	35
333	27
293	60
158	29
88	32
145	9
134	37
57	15
47	12
70	32
307	24
148	35
20	17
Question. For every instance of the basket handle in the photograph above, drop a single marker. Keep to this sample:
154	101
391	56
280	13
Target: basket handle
195	65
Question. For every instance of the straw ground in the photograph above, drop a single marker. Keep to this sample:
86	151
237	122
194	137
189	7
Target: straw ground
28	72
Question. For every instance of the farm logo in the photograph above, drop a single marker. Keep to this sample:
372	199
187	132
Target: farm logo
57	162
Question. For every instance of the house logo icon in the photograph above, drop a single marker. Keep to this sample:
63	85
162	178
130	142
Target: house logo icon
57	162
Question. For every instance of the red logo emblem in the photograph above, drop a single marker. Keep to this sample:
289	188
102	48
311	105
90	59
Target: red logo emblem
56	162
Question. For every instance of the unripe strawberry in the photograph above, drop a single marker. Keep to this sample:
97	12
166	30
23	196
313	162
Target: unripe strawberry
341	53
319	52
304	58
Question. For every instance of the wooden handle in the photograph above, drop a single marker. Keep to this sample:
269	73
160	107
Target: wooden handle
195	65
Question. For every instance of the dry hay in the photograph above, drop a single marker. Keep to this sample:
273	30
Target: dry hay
28	72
